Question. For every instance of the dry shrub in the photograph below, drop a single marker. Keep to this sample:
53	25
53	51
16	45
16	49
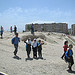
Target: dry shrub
25	37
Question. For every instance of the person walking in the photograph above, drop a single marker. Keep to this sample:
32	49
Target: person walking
65	48
15	29
69	57
15	41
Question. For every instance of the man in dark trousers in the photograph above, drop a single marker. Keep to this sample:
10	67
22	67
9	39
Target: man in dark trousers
32	29
15	29
15	41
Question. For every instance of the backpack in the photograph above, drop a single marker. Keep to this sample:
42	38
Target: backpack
13	41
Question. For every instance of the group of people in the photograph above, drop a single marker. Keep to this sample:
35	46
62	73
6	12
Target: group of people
36	46
15	29
11	30
68	54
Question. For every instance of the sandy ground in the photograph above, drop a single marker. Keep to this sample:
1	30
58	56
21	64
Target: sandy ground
52	64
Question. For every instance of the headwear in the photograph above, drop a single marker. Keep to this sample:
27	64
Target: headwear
34	43
34	39
71	45
29	38
40	42
29	42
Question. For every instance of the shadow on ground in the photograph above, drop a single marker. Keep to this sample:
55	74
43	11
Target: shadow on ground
29	59
17	57
73	72
34	58
41	58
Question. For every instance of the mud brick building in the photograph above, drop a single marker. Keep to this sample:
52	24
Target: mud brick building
49	27
73	29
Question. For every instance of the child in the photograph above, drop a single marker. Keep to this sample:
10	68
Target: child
1	32
69	57
65	48
15	41
15	29
34	47
40	48
28	47
11	29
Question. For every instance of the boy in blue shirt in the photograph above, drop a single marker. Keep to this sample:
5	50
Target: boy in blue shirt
69	57
15	41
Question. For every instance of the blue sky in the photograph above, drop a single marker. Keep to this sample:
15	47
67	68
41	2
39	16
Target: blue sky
21	12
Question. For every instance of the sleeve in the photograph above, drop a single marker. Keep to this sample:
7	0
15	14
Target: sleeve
72	52
66	54
26	46
25	41
63	46
67	46
19	39
12	39
31	26
42	43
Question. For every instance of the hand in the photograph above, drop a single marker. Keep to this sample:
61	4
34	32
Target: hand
24	41
42	43
68	57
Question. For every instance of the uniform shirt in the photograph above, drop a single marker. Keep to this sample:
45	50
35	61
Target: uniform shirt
69	53
1	30
32	26
17	40
34	44
28	45
39	46
65	47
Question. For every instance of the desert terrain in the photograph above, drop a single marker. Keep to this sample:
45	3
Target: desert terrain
51	64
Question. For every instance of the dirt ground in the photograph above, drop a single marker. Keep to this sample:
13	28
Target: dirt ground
51	64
